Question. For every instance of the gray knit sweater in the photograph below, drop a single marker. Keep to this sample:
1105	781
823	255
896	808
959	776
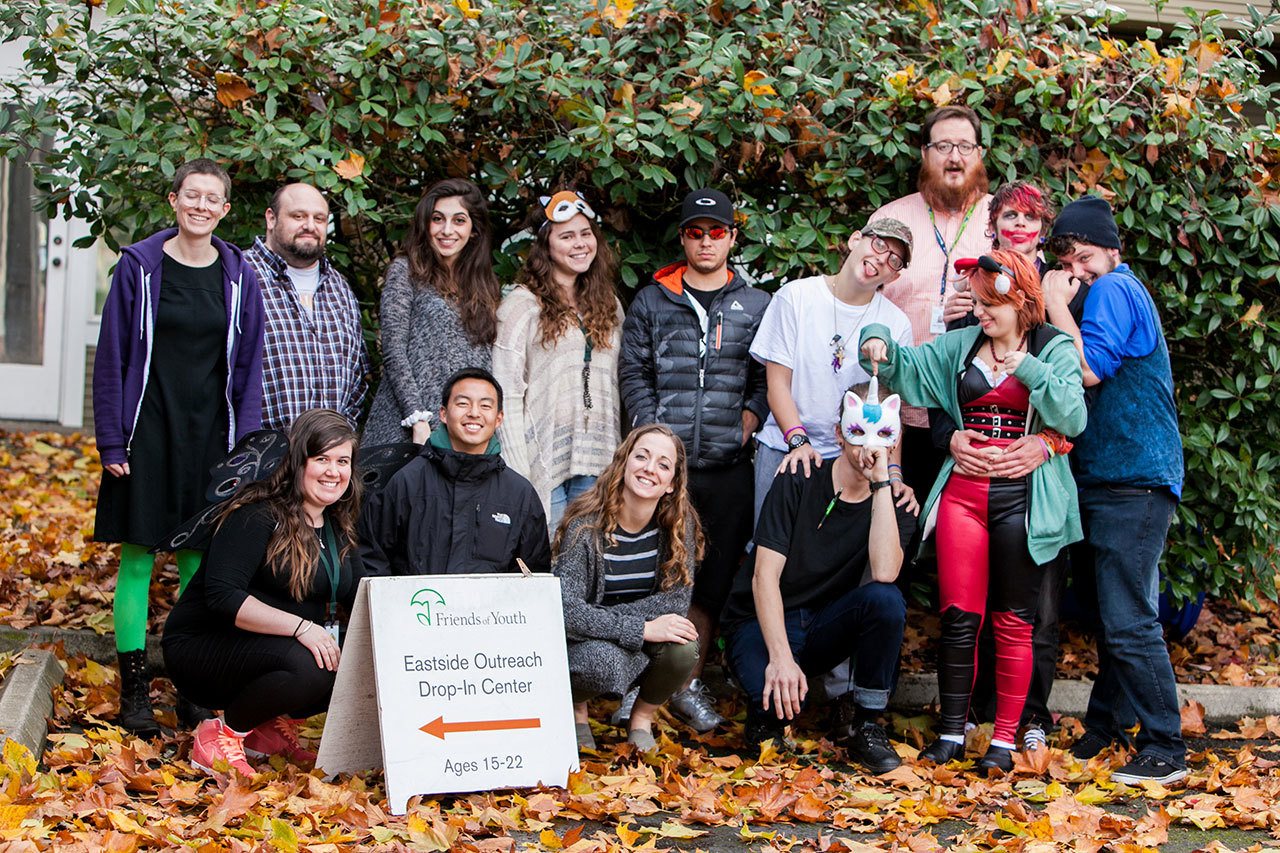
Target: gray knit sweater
619	660
423	344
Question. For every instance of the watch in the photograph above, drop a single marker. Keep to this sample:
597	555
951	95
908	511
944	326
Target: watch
797	440
880	485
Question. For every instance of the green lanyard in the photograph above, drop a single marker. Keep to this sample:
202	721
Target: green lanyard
946	253
329	559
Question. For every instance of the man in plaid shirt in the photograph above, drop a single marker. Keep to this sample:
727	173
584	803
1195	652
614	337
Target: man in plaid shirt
314	354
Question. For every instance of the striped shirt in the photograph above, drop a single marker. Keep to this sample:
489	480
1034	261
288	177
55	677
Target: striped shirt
311	358
631	566
917	290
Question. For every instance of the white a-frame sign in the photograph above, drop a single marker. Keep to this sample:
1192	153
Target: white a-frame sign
469	688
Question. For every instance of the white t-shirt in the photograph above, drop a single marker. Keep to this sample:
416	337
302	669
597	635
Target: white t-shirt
306	282
797	331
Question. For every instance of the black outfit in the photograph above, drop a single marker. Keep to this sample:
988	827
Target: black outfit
254	677
182	423
833	610
454	513
691	368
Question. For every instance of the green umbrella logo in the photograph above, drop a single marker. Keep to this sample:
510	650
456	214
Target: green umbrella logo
424	598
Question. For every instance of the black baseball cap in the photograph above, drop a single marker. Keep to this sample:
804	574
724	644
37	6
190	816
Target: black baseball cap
706	204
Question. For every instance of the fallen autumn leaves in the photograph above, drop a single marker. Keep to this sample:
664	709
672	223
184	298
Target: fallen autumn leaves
101	790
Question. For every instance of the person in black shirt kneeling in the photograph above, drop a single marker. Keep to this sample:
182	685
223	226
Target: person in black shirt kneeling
820	583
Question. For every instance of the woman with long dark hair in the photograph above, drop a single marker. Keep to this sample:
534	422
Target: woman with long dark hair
556	355
439	309
177	380
625	554
256	631
1006	379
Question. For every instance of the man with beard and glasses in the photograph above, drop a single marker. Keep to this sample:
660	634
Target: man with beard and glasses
947	218
314	355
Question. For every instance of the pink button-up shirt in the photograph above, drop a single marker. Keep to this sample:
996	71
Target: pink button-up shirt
917	290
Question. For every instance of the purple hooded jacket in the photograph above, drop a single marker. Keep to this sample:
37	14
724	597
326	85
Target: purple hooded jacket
123	360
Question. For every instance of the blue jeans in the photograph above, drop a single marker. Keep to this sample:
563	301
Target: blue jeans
563	494
864	624
1125	530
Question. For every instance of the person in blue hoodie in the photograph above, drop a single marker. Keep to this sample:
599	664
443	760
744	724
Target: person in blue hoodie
176	381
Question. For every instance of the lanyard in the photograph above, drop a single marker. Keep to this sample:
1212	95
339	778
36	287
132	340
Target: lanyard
329	559
942	244
586	373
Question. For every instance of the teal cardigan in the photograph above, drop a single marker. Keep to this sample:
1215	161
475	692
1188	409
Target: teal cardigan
928	375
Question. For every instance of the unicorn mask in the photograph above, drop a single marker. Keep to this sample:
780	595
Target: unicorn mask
870	423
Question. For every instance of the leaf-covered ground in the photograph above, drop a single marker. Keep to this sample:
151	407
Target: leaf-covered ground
53	574
100	790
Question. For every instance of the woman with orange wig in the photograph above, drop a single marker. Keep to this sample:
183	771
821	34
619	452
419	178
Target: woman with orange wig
1009	377
625	553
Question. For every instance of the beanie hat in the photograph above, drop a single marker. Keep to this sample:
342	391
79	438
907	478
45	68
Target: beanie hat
1090	219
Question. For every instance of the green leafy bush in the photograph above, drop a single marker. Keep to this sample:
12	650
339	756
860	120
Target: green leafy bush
807	111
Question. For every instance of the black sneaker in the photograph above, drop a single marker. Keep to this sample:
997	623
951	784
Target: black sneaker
941	751
870	747
1149	768
1090	744
997	758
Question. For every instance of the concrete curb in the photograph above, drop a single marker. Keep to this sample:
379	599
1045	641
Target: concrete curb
26	699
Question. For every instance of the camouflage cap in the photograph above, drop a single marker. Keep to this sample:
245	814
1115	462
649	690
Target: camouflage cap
894	230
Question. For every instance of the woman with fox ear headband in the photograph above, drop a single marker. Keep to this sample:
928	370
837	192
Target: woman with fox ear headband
556	355
1009	377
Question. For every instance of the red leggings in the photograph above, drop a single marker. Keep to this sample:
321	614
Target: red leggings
984	565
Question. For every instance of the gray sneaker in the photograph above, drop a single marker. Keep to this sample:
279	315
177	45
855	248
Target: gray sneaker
622	716
693	706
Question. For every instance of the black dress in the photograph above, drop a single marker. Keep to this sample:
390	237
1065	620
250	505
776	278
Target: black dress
182	425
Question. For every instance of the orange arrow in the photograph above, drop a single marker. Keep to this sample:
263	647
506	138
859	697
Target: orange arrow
440	728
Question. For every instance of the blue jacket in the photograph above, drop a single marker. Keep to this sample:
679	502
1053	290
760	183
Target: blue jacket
123	360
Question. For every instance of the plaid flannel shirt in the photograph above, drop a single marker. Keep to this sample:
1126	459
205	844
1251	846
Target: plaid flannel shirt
309	360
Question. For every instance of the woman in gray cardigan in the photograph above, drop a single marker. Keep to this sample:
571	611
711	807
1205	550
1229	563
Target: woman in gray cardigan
625	553
439	310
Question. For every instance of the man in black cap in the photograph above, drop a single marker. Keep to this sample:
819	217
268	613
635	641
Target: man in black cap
1128	465
686	363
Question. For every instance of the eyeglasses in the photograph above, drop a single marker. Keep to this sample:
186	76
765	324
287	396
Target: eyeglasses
945	148
896	263
192	197
715	232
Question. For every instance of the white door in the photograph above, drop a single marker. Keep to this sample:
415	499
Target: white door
33	287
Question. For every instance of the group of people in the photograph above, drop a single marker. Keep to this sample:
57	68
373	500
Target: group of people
767	491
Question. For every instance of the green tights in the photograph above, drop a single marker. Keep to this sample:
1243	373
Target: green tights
133	592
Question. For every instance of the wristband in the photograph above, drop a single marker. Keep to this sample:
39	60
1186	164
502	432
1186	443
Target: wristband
893	465
297	628
875	487
416	417
786	435
310	625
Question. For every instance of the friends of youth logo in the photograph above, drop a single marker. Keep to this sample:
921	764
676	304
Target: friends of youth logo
425	599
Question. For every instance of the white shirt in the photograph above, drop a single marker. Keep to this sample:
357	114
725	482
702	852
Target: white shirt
306	282
797	331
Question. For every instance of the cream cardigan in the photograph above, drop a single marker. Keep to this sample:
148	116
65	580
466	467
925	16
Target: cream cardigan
547	433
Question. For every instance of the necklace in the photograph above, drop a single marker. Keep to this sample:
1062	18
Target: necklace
837	340
999	359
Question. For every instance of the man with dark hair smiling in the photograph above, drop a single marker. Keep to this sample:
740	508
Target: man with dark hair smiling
457	508
1128	465
947	218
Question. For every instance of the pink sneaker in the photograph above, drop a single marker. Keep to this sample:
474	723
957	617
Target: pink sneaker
214	743
278	737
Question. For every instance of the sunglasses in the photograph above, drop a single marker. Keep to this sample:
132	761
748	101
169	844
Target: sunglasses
715	232
880	247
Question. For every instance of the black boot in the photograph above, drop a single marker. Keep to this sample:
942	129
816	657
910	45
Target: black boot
135	695
941	751
997	758
190	714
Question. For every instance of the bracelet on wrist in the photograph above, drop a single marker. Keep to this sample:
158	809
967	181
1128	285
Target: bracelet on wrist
298	627
798	427
893	465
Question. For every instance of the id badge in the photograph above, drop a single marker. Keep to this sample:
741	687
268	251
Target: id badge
333	628
936	324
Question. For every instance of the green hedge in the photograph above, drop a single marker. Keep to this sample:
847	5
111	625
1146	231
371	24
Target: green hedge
807	111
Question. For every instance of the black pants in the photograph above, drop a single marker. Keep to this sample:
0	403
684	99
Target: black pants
252	677
723	498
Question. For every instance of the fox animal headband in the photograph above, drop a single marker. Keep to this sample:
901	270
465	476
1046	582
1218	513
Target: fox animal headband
565	205
870	423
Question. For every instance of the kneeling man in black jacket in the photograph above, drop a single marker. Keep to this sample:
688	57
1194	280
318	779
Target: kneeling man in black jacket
457	508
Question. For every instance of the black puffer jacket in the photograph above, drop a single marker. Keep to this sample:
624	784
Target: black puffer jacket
449	513
695	380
